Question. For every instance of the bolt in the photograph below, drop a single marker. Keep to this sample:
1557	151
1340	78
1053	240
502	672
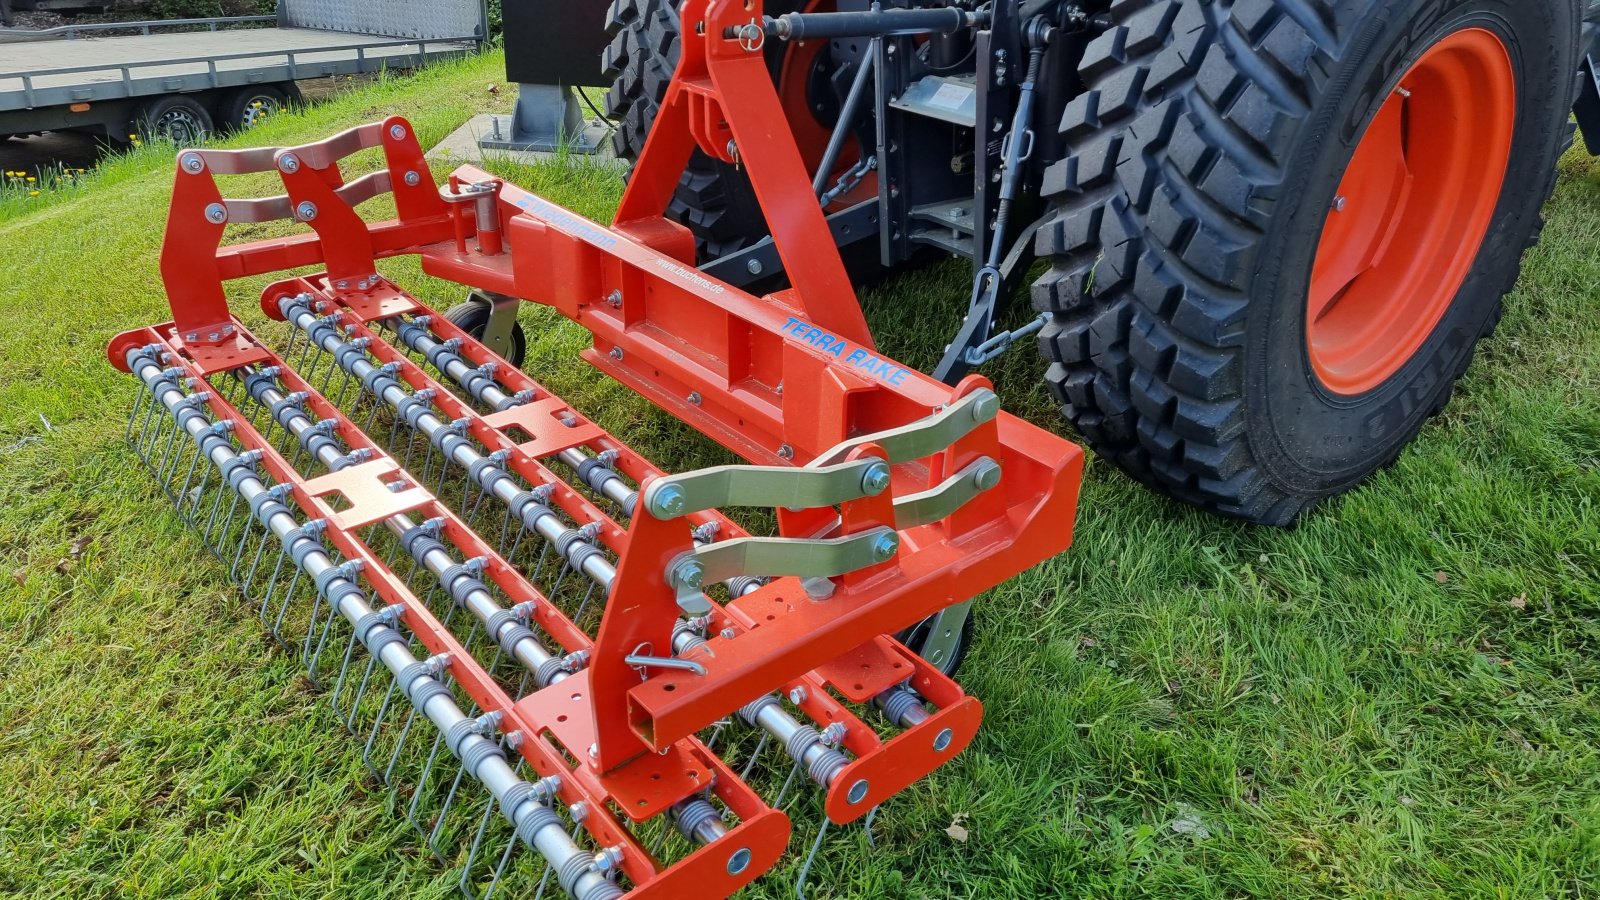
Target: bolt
608	859
580	810
733	150
398	132
858	791
413	179
786	452
688	572
753	266
614	299
959	212
1339	203
941	743
306	211
289	163
216	213
739	861
798	695
1404	92
883	549
668	501
192	163
594	751
728	634
695	398
616	352
876	479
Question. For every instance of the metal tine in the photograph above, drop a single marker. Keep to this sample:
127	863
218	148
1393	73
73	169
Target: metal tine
133	414
377	728
198	496
361	693
787	783
272	583
288	600
805	867
754	755
420	790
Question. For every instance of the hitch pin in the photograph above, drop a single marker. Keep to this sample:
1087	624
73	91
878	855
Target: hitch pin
485	197
641	661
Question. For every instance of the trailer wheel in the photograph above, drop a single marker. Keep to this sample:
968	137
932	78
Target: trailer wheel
473	318
1283	226
176	118
249	106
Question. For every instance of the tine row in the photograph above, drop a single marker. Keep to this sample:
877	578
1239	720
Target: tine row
525	806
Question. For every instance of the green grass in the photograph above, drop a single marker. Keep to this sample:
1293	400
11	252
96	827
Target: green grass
1399	698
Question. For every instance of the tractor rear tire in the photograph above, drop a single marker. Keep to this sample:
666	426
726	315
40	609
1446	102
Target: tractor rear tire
1214	168
714	200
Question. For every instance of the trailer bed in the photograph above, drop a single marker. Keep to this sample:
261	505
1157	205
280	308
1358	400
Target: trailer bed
88	69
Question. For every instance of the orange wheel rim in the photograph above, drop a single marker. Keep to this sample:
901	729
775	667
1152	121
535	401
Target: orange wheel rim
1412	212
810	135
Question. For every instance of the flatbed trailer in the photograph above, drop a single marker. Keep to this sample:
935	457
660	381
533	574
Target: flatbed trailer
219	77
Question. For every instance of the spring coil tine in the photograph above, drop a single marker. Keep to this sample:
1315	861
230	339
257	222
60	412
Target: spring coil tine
587	597
272	583
805	867
439	822
464	882
288	598
377	726
787	783
255	562
361	694
399	745
199	495
754	755
188	478
133	414
422	783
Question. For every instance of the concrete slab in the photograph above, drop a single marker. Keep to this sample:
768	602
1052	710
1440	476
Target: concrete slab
462	146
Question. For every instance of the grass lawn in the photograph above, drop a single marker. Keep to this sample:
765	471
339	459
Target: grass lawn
1399	698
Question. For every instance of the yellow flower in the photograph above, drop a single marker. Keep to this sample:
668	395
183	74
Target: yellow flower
31	179
33	193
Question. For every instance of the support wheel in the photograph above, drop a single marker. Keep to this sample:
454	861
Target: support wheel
473	318
940	641
179	119
1283	226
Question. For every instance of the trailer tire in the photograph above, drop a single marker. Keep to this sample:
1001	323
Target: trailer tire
244	108
177	118
1208	158
714	200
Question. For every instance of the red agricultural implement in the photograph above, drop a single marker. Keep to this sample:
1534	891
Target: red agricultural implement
574	670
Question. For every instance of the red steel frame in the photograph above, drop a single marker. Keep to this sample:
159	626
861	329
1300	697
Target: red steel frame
779	380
